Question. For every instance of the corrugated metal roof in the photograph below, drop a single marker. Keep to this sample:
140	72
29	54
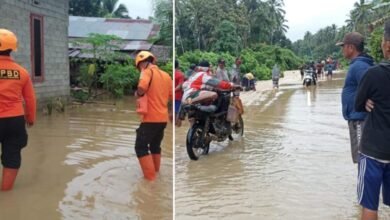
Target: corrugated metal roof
77	53
137	45
126	29
121	45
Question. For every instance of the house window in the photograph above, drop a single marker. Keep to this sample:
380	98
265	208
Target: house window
37	55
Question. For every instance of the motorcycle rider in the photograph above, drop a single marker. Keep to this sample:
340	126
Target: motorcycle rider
311	67
17	109
198	88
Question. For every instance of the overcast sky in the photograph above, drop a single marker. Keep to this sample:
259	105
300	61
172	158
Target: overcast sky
141	8
311	15
302	15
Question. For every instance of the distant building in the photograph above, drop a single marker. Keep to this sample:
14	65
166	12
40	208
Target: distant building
42	30
135	35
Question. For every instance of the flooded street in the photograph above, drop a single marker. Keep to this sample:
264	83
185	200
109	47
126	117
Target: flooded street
294	162
82	165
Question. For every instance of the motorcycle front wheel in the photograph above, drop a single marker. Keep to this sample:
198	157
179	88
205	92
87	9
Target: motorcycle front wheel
196	143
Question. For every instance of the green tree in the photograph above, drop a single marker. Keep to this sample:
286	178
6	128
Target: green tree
101	47
112	9
89	8
255	21
163	15
98	8
226	38
359	16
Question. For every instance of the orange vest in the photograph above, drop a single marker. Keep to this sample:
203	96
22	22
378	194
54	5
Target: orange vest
159	93
16	87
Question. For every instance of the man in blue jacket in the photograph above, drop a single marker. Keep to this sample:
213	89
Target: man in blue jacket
352	48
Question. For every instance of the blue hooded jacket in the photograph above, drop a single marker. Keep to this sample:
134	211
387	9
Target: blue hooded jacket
357	69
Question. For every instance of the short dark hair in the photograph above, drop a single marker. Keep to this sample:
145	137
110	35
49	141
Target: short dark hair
360	46
5	52
204	63
221	60
150	59
387	31
193	66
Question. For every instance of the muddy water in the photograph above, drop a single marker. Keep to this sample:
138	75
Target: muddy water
82	165
293	163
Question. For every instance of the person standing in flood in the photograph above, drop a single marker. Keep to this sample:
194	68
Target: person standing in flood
275	76
16	89
179	80
352	49
221	72
373	96
236	72
157	86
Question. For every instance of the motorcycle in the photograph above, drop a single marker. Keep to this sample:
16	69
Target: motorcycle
308	77
248	84
216	122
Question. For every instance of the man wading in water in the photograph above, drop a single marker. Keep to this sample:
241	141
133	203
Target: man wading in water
157	85
15	89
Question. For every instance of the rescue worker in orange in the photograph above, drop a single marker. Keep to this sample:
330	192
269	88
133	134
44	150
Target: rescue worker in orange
17	108
157	85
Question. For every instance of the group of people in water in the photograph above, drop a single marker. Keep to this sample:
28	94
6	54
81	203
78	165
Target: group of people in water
320	68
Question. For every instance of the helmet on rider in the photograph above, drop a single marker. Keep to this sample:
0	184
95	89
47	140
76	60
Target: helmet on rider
144	56
8	40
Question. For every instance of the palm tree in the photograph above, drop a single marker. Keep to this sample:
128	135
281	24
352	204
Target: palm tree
359	16
113	10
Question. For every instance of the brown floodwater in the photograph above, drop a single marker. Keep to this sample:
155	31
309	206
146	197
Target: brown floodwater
292	163
81	165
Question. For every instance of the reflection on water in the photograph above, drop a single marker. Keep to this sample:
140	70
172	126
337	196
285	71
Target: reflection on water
82	165
294	163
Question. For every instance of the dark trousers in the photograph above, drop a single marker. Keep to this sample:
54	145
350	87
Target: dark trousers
13	137
149	137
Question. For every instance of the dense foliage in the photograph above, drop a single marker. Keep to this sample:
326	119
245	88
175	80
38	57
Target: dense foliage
98	8
163	15
118	78
228	26
112	70
363	18
258	60
375	44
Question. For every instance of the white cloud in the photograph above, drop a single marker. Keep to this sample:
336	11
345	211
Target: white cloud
312	15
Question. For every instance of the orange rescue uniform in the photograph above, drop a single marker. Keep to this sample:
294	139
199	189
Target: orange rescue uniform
16	86
159	93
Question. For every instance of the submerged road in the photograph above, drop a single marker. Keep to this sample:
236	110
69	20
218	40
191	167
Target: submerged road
294	162
82	165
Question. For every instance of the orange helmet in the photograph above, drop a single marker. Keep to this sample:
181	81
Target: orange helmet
8	40
143	55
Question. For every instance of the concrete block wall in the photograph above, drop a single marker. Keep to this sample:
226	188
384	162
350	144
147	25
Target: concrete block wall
15	16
